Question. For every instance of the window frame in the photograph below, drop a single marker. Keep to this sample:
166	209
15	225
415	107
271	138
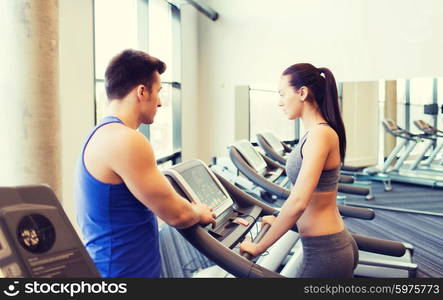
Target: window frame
143	42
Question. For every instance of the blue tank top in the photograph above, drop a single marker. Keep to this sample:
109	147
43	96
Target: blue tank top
119	232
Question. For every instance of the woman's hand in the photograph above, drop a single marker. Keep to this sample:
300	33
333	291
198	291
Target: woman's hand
267	220
251	248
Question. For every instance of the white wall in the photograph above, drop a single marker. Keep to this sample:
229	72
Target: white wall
76	88
254	40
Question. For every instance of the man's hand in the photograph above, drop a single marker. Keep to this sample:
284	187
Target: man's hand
206	214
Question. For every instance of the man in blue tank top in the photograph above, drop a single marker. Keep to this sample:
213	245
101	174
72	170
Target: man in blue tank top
119	190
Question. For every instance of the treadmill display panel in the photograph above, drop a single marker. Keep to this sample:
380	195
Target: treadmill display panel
206	189
251	155
273	142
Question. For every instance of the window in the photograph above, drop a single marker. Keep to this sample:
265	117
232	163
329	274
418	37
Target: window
401	103
412	95
421	93
160	132
160	34
440	93
152	26
439	123
110	38
164	28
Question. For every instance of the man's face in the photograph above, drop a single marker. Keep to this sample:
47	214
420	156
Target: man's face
153	100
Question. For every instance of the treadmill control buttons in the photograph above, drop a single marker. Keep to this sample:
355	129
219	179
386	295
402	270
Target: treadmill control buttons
241	221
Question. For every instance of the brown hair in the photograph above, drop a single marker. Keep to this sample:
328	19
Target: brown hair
323	90
129	69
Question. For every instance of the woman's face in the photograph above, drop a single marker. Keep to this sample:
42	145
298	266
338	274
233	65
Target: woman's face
291	101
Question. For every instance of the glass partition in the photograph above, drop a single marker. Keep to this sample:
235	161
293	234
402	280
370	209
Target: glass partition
419	188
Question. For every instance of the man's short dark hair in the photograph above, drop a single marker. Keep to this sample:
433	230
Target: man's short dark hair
129	69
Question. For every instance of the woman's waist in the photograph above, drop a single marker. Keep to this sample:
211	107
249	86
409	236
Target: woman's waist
322	203
320	217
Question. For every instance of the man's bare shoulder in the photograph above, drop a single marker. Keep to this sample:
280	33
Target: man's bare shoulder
124	140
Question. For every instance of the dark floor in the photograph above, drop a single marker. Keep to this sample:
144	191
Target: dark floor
424	232
404	196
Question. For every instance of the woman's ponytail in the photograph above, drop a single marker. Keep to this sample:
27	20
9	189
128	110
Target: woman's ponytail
330	109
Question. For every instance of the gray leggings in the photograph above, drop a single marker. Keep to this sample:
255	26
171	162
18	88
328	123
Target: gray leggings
332	255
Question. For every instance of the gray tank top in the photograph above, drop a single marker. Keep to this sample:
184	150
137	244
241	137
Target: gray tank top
328	179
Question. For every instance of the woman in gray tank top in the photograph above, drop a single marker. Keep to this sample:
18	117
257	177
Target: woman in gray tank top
310	93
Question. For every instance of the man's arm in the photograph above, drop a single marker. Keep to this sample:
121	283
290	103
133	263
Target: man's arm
134	161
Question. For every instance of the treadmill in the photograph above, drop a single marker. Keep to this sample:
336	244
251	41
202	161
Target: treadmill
37	240
241	155
400	172
196	182
273	147
435	134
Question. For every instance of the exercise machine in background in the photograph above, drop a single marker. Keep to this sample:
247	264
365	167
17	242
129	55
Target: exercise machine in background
401	171
36	237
